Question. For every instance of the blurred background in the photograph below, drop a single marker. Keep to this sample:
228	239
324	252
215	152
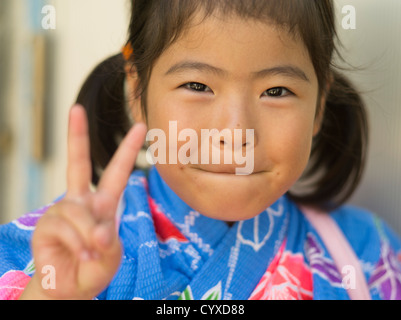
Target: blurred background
46	55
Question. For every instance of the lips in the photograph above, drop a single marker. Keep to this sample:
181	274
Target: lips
219	169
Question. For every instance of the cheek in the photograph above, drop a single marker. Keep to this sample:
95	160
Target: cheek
290	146
165	107
176	124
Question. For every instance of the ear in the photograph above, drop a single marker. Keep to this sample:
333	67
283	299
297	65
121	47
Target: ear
134	102
321	107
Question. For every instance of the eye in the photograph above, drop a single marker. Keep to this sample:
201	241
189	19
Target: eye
277	92
196	86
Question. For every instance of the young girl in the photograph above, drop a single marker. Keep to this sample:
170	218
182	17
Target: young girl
195	230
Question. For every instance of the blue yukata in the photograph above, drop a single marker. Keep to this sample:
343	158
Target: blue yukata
171	251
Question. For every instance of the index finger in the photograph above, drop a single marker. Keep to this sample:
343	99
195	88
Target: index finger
115	177
79	170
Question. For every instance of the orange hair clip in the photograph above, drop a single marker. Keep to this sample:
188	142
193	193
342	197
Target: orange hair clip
127	51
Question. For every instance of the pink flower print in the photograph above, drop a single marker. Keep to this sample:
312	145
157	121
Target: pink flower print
386	276
287	278
12	284
165	229
28	221
321	265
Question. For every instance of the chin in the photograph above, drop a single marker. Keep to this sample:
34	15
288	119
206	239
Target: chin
232	211
232	198
224	196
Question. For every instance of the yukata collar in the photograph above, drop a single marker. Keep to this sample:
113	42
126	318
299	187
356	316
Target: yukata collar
237	257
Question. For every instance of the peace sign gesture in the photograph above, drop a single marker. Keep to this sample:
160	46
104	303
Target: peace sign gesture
78	236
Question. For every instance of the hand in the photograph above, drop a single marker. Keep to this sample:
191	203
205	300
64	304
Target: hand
77	237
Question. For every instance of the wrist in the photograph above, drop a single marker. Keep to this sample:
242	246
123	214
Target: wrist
35	291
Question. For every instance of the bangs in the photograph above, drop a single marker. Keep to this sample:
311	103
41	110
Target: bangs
310	20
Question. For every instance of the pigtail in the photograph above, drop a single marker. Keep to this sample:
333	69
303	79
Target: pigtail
102	95
339	151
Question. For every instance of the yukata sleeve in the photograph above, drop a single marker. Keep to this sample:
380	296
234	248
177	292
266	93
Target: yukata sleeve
16	261
377	247
385	278
393	238
16	264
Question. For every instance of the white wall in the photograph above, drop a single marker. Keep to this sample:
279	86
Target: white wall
375	45
87	31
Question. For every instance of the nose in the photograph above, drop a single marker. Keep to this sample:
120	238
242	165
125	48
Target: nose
235	139
236	118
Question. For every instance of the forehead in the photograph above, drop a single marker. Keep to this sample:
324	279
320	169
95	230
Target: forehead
236	43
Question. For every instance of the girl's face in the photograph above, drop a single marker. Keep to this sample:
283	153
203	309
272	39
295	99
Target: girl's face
231	73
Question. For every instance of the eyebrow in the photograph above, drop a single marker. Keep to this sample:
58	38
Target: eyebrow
290	71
